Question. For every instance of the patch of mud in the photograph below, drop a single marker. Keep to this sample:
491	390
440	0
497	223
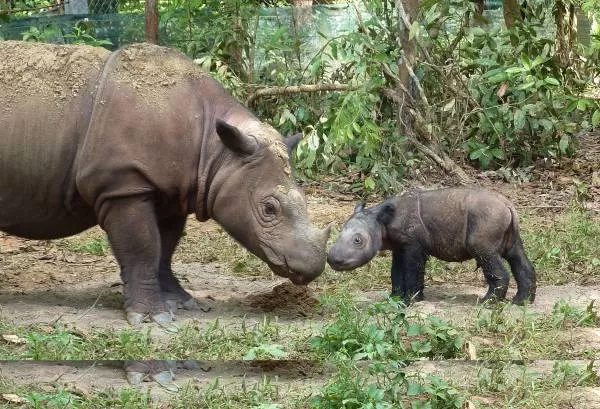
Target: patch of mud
286	300
148	70
53	72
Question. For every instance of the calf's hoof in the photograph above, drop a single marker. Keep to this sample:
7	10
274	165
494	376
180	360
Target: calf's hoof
408	299
522	299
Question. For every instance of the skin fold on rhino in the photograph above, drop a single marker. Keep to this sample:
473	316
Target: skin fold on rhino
134	141
454	224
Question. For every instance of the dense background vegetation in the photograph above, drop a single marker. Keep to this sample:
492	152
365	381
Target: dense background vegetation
470	86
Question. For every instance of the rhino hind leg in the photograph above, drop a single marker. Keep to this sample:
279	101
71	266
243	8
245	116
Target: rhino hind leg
134	237
173	293
496	276
523	272
408	274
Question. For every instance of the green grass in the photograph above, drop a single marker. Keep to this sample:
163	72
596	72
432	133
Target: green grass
265	339
564	247
504	332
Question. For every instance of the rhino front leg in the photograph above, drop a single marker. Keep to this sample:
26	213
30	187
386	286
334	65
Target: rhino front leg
398	283
133	233
173	293
496	276
408	273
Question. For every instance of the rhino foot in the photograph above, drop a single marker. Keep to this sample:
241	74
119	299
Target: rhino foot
136	318
173	303
154	371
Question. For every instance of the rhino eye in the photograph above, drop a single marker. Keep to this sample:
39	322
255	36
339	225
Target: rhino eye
269	209
357	240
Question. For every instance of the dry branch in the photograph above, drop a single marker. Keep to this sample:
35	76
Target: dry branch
295	89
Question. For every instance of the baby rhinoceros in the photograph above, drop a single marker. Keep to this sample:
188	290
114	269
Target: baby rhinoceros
454	224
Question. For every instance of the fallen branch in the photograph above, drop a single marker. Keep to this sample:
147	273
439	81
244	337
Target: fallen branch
295	89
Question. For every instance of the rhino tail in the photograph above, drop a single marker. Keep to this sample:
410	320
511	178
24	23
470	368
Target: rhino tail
512	237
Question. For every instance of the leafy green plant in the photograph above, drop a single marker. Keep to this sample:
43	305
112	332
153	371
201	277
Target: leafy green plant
81	34
386	385
567	315
384	331
567	374
61	399
58	344
95	246
528	107
46	34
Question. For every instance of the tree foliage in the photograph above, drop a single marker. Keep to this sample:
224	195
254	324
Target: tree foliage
479	92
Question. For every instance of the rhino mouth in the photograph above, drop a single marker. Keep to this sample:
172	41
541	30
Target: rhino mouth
344	264
282	269
280	266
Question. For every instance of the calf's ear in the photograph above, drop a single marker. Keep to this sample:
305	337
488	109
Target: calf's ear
360	206
291	141
236	140
386	213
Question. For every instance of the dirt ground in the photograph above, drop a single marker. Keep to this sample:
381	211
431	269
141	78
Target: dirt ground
42	283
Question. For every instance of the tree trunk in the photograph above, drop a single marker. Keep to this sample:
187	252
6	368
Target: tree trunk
566	23
512	12
478	18
405	64
152	21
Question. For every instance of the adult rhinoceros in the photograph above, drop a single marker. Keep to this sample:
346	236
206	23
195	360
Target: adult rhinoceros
134	141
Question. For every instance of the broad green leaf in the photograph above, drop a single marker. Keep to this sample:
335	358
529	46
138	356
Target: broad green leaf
563	144
519	119
596	118
582	104
514	70
414	389
475	154
486	62
478	31
547	124
414	30
551	81
497	153
525	86
497	78
369	183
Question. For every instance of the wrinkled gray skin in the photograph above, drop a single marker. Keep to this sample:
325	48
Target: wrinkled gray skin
138	163
450	224
135	141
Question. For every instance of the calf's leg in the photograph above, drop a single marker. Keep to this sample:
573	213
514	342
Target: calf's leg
496	276
523	272
408	273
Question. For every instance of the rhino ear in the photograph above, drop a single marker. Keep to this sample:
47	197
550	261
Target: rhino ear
236	140
360	206
386	213
291	141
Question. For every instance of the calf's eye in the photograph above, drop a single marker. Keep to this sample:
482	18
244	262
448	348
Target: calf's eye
357	240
